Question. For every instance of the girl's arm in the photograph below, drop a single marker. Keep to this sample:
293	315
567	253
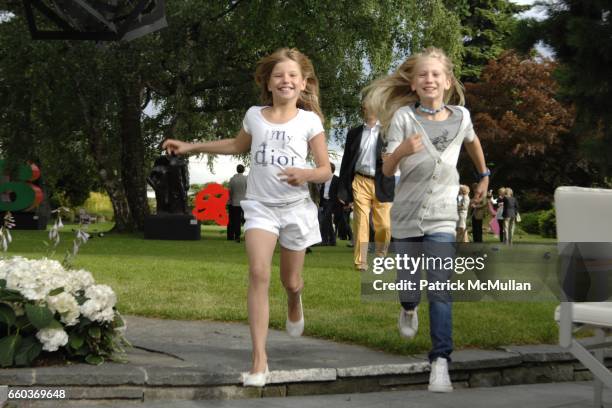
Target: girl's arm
320	174
237	145
475	152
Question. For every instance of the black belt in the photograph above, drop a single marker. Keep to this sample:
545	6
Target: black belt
366	176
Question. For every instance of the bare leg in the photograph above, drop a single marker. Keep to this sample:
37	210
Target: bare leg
291	264
460	234
260	246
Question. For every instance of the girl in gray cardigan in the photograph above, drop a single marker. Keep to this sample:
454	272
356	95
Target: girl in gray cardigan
424	137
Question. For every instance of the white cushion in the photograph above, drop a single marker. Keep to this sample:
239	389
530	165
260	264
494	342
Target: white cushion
591	313
583	214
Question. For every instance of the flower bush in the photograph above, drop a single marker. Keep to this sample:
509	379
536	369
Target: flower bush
44	307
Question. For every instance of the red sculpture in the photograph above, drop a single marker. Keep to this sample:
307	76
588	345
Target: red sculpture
210	204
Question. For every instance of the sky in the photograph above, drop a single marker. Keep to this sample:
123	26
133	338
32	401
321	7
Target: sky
535	12
225	166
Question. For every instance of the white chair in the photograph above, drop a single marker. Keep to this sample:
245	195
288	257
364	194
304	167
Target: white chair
584	215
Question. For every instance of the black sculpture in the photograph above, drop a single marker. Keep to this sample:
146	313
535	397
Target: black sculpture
97	20
170	180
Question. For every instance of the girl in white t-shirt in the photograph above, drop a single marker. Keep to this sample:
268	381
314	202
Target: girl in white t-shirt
277	206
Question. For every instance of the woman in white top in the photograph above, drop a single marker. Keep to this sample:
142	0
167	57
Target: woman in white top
277	206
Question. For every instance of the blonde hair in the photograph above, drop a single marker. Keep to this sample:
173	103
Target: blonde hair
309	97
464	189
386	95
509	192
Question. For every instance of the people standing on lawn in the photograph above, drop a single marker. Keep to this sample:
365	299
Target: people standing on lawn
493	225
363	184
342	219
277	206
510	213
424	137
479	210
499	214
463	205
237	191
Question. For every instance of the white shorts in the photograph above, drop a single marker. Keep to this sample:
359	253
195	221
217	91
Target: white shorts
296	224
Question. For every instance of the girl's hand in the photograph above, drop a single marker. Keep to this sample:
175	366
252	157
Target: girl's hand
481	189
409	146
177	147
294	176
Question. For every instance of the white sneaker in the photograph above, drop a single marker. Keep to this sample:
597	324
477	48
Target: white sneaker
256	379
295	329
408	322
439	381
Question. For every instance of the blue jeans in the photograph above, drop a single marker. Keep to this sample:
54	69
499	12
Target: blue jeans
440	303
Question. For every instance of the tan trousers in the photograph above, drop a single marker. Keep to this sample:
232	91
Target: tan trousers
364	201
509	224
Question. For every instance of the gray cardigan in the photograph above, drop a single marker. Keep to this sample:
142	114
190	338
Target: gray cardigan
426	194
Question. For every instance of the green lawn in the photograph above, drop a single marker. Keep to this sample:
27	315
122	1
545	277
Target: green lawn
207	279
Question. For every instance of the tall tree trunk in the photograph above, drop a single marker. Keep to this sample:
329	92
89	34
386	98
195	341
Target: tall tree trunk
104	156
133	172
109	176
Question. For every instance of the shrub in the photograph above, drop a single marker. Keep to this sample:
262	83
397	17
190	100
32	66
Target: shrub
548	223
530	222
99	203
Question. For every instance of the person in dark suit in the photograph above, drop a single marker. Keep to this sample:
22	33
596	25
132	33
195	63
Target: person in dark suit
328	201
342	219
363	184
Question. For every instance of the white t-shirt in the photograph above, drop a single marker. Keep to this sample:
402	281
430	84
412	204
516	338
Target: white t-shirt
275	147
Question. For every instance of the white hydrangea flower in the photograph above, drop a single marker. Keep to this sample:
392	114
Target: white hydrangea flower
106	315
78	281
34	279
100	303
66	305
52	339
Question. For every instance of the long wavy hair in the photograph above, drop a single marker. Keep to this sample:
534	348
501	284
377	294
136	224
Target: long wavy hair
386	95
309	97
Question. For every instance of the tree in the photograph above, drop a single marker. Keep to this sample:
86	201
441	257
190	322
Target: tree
580	33
487	26
524	129
66	170
198	75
